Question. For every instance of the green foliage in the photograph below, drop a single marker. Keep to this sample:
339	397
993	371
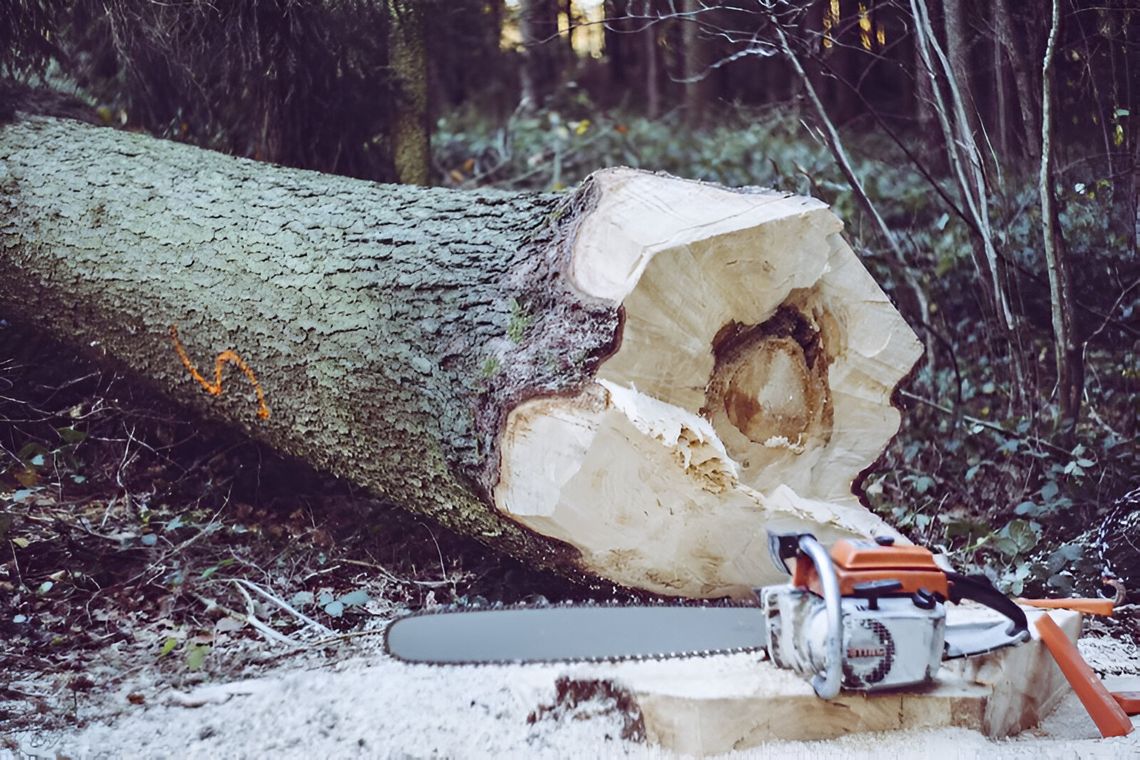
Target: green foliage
557	149
36	463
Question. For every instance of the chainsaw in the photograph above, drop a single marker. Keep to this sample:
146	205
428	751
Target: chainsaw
866	615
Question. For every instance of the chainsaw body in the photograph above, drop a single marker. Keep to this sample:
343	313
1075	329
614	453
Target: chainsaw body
893	624
869	615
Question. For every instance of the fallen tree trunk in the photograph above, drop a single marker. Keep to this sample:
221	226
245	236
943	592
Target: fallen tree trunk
630	382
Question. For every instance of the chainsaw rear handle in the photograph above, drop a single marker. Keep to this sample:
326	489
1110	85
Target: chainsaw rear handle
827	684
981	590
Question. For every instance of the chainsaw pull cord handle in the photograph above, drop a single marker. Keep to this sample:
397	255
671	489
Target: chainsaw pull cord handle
827	684
979	588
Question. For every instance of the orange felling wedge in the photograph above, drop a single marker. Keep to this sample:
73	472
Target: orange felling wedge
1088	606
1102	707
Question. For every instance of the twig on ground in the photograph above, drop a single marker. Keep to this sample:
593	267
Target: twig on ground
394	578
204	530
322	643
282	604
107	512
16	566
439	552
256	624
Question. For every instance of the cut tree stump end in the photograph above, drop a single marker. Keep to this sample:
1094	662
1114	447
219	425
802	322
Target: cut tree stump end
750	389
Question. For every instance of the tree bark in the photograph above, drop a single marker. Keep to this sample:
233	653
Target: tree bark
958	52
630	382
1003	27
1000	98
411	125
923	92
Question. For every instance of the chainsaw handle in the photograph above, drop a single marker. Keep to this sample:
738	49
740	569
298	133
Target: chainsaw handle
979	588
827	684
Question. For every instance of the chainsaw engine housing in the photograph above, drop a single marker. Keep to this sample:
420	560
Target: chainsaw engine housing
888	642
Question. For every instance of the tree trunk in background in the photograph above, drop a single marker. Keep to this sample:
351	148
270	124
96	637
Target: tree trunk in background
1000	99
1132	135
966	160
828	63
958	51
632	382
696	63
652	74
815	35
1003	28
568	9
538	25
846	62
1133	199
1067	349
923	95
411	124
615	52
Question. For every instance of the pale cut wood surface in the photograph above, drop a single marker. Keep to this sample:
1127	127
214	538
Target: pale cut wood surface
751	388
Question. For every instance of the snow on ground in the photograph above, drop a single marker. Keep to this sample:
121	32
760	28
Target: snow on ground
368	705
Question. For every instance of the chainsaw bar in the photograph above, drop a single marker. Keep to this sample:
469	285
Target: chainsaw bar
574	633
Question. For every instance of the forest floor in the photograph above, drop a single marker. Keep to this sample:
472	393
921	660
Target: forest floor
354	701
169	591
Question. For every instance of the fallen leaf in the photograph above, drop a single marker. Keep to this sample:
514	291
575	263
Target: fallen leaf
228	625
357	597
196	657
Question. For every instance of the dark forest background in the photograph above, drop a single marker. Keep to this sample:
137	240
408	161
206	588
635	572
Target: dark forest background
983	154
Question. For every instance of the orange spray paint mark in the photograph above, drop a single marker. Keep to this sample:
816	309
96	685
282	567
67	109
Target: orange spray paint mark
225	357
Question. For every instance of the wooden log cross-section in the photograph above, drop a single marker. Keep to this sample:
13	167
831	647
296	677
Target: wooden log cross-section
708	706
630	382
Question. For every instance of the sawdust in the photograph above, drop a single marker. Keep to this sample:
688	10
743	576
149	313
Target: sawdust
1111	656
367	705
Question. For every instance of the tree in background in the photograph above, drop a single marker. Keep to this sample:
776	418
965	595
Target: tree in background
538	27
696	62
1067	353
1012	46
411	126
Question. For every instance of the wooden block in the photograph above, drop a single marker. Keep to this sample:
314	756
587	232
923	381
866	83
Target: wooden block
711	705
1025	683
